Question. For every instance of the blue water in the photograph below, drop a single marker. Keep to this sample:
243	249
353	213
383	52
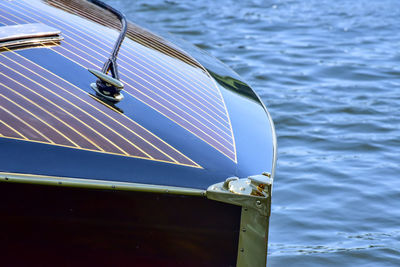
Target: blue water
329	72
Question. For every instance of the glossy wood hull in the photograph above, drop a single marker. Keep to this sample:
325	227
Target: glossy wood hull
86	182
56	226
177	116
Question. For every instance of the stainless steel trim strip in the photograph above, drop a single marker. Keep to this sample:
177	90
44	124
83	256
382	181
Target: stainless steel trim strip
97	184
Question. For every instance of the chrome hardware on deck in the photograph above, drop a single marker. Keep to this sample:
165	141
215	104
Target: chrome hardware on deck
28	34
109	87
253	185
253	194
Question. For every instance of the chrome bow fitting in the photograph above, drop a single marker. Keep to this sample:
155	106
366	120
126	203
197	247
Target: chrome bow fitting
109	87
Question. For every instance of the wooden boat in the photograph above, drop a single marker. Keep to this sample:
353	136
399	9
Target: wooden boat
158	156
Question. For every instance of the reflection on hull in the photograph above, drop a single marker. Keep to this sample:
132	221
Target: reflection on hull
78	227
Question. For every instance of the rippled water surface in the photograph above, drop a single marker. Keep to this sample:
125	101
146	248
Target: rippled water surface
329	72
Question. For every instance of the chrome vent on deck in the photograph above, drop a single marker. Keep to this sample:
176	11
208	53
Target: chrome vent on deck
28	34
